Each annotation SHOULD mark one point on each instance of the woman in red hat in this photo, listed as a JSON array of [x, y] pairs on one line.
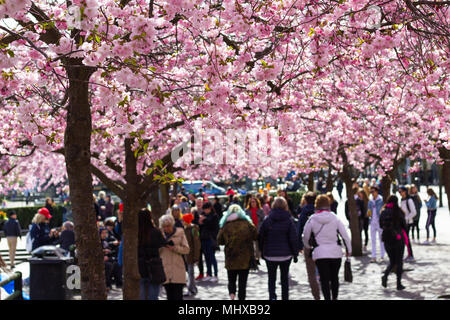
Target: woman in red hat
[[40, 230]]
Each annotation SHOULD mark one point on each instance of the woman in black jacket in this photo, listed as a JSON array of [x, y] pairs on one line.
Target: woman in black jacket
[[150, 266], [392, 221], [279, 245]]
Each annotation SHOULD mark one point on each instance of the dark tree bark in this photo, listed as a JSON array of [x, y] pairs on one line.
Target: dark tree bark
[[77, 145], [347, 177], [445, 156], [311, 181], [386, 183], [354, 219], [330, 181], [131, 205]]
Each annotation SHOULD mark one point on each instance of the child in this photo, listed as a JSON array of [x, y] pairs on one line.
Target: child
[[193, 238]]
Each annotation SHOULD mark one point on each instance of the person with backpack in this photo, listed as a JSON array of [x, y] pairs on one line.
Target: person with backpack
[[192, 233], [418, 204], [305, 212], [392, 221], [12, 232], [375, 205], [40, 234], [409, 209], [325, 228], [431, 204], [237, 233], [279, 245]]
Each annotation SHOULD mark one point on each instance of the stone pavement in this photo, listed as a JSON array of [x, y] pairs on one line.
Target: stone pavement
[[427, 278]]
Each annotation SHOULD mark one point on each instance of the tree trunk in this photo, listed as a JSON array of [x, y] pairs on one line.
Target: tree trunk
[[165, 196], [354, 219], [77, 145], [425, 173], [386, 183], [330, 181], [155, 203], [445, 156], [131, 205], [311, 181]]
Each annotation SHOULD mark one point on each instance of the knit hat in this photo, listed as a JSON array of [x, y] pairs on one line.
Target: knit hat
[[45, 212], [188, 217]]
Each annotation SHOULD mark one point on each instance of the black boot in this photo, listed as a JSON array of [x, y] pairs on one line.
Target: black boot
[[399, 285], [384, 281]]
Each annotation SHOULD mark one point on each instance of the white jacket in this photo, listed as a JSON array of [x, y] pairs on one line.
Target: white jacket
[[411, 213], [328, 247]]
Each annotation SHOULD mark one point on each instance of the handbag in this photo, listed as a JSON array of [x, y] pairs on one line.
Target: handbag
[[348, 271], [155, 270], [313, 242]]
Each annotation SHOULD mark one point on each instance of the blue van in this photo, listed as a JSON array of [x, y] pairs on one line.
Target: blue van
[[209, 187]]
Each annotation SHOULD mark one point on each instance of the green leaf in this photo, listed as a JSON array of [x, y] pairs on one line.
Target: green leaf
[[159, 163]]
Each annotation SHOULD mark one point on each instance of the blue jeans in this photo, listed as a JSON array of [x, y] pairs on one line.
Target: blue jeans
[[149, 291], [209, 252]]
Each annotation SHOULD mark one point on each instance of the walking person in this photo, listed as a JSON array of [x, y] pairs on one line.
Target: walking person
[[172, 257], [327, 253], [150, 240], [12, 232], [431, 204], [237, 233], [209, 227], [364, 216], [375, 205], [418, 203], [304, 213], [255, 212], [197, 211], [192, 233], [279, 244], [409, 209], [392, 221]]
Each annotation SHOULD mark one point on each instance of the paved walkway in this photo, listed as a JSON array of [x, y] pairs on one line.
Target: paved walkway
[[427, 278]]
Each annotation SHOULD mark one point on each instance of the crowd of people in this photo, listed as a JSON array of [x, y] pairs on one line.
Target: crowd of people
[[174, 250]]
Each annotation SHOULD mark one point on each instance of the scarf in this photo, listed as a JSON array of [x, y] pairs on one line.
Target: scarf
[[234, 212]]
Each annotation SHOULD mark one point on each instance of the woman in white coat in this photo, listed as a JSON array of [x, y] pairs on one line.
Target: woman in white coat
[[327, 252]]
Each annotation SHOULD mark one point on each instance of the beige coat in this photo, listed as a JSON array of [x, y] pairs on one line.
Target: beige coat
[[173, 260]]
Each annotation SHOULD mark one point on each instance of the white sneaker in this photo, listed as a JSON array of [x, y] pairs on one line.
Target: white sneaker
[[426, 242], [214, 279], [433, 241], [207, 278]]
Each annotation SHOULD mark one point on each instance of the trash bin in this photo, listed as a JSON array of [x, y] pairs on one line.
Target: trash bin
[[48, 276]]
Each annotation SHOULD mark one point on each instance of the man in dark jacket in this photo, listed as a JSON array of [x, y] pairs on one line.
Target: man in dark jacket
[[278, 242], [305, 213], [12, 232], [209, 228]]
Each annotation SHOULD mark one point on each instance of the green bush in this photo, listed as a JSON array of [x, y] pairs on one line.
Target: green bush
[[26, 214]]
